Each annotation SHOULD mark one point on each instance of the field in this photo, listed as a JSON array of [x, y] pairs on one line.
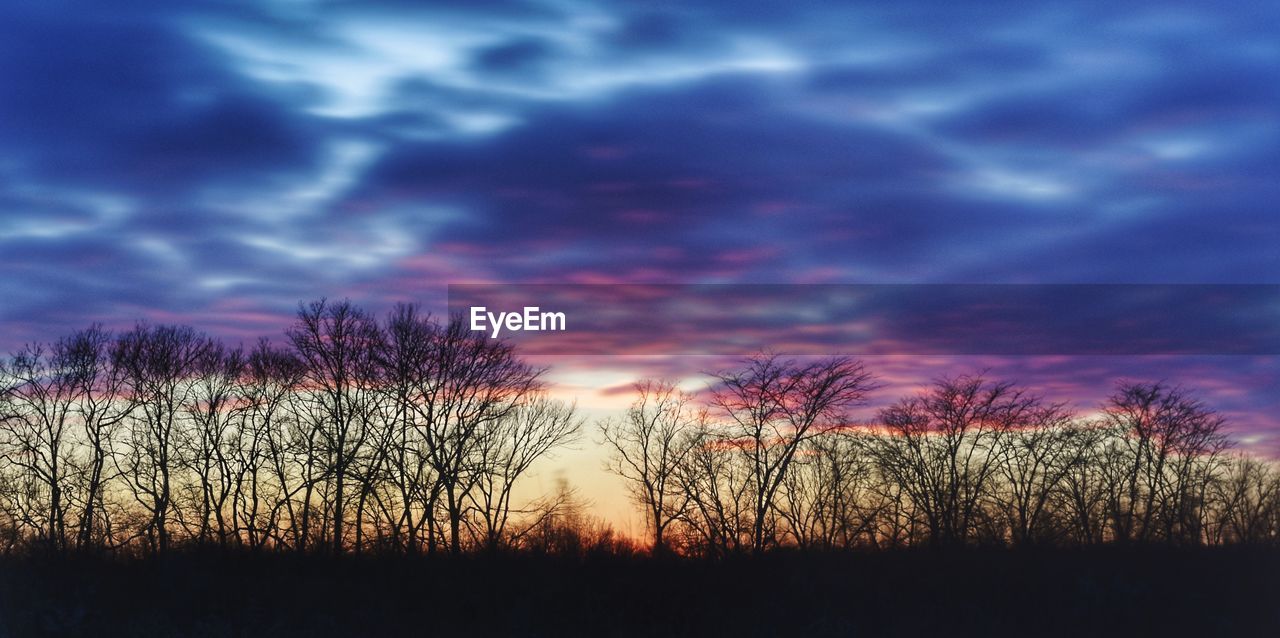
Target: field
[[1098, 592]]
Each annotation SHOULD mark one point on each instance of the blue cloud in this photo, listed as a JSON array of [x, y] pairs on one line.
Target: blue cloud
[[199, 159]]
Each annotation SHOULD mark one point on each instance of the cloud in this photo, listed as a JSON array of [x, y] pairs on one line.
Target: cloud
[[221, 161]]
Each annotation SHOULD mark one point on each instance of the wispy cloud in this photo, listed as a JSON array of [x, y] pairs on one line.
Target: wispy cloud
[[223, 160]]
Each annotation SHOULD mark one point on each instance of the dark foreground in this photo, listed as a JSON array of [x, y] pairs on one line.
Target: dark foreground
[[1098, 592]]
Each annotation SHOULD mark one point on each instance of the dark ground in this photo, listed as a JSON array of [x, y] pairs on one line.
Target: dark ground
[[1095, 592]]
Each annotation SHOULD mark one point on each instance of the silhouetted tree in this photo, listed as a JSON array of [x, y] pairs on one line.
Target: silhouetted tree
[[647, 447], [771, 407], [1248, 499], [161, 362], [359, 435], [1167, 452], [1033, 460], [468, 384], [408, 347], [1086, 485], [210, 444], [826, 498], [943, 448], [508, 449], [717, 489], [95, 361], [339, 344], [265, 454], [38, 392]]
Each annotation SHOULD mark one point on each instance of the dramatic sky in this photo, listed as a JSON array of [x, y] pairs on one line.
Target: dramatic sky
[[216, 163]]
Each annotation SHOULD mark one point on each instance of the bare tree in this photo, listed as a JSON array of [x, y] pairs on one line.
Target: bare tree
[[161, 362], [467, 384], [1170, 443], [95, 363], [1248, 496], [942, 448], [208, 446], [1083, 495], [771, 407], [407, 349], [647, 447], [1035, 457], [263, 460], [509, 448], [716, 486], [339, 345], [826, 498], [37, 412]]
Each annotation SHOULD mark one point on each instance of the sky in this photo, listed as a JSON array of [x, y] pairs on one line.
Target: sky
[[217, 163]]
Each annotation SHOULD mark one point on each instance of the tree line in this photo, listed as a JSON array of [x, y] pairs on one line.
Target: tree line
[[769, 457], [408, 433]]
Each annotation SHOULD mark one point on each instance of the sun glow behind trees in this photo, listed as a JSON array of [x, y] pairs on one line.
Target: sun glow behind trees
[[968, 460], [359, 435], [409, 434]]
